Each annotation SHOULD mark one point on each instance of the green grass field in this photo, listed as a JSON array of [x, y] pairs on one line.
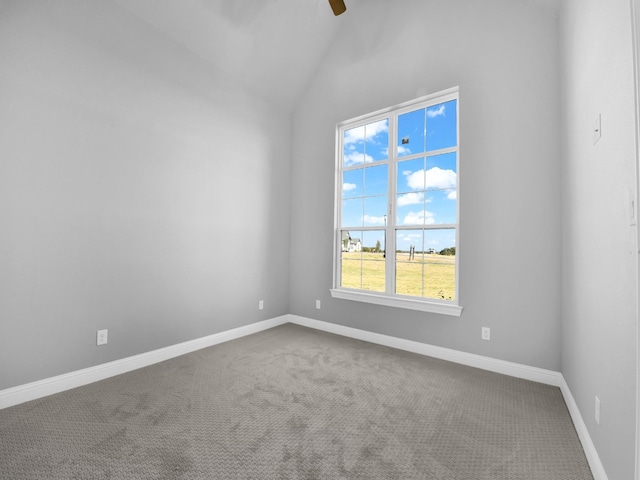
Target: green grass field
[[366, 271]]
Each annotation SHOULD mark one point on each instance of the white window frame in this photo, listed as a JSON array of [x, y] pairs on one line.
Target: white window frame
[[389, 298]]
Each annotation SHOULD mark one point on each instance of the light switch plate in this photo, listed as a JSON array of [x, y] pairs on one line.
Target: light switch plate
[[597, 129]]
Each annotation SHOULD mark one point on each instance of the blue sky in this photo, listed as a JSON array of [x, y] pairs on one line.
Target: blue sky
[[426, 186]]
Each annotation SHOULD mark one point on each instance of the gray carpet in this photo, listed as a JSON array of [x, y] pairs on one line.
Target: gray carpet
[[295, 403]]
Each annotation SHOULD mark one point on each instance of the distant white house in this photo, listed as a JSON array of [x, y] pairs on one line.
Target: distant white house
[[355, 245], [350, 244]]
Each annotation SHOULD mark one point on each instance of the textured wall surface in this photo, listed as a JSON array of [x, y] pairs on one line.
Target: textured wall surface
[[141, 191], [600, 289], [504, 57]]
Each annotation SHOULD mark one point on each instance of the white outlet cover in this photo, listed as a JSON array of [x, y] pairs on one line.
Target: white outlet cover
[[102, 337], [318, 304], [486, 333]]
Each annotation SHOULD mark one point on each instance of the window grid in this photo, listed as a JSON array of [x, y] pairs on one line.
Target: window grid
[[393, 226]]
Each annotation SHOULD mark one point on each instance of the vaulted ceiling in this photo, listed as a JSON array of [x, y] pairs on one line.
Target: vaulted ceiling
[[272, 46]]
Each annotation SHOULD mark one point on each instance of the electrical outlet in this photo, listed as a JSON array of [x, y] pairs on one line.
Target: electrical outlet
[[597, 415], [261, 305], [102, 337], [486, 333], [318, 304]]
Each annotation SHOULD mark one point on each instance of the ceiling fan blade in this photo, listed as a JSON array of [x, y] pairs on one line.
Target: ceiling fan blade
[[337, 6]]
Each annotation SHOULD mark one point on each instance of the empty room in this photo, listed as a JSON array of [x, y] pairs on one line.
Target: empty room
[[308, 239]]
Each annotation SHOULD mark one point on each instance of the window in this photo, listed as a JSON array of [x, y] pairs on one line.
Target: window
[[397, 206]]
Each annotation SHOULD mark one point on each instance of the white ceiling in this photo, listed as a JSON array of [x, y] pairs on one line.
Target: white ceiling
[[272, 46]]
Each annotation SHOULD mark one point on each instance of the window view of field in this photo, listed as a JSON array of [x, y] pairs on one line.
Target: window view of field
[[428, 275], [403, 195]]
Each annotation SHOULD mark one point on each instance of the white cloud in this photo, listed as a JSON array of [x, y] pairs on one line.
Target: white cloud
[[402, 150], [347, 187], [412, 198], [355, 158], [354, 135], [435, 178], [412, 236], [371, 130], [415, 180], [436, 112], [368, 219], [453, 195], [422, 217]]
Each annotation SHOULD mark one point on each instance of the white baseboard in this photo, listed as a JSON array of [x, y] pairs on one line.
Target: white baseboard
[[597, 469], [548, 377], [67, 381], [526, 372], [49, 386]]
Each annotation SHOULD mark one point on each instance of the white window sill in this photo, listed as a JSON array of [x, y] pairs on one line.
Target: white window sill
[[399, 302]]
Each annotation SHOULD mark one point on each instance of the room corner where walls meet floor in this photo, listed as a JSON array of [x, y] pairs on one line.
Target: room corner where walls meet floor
[[35, 390]]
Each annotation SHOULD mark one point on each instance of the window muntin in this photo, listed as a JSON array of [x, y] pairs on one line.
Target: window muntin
[[403, 201]]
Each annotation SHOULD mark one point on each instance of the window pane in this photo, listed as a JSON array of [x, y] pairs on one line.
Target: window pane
[[363, 260], [441, 172], [411, 201], [414, 216], [440, 264], [445, 161], [440, 277], [425, 263], [405, 239], [377, 140], [352, 212], [442, 241], [409, 278], [442, 126], [376, 180], [351, 274], [411, 175], [373, 241], [353, 153], [411, 128], [442, 206], [373, 261], [352, 183], [351, 242], [441, 183], [373, 276], [350, 259], [375, 211], [438, 179], [367, 143], [409, 264]]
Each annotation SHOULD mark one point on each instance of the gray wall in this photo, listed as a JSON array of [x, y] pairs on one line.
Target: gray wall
[[504, 56], [600, 289], [141, 191], [144, 191]]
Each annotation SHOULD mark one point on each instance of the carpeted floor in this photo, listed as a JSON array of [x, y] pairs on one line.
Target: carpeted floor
[[295, 403]]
